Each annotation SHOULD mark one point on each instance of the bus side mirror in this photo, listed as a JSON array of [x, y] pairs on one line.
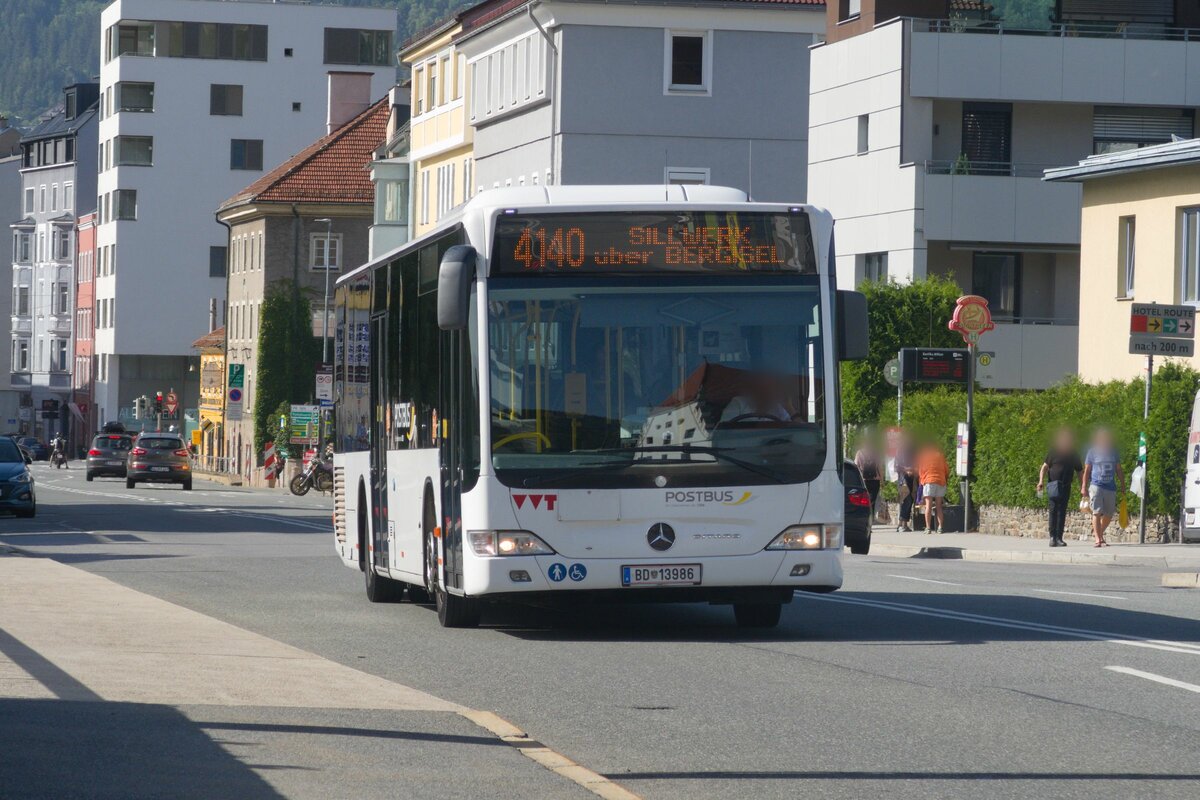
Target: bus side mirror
[[455, 276], [852, 325]]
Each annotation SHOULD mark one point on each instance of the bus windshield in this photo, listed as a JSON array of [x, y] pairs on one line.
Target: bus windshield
[[652, 382]]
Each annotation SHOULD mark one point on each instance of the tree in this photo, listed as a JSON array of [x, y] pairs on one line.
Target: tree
[[287, 356], [910, 315]]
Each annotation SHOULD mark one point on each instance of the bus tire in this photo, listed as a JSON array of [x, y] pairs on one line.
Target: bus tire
[[454, 611], [757, 615], [381, 589]]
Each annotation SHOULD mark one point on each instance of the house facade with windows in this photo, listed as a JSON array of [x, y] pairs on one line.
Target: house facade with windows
[[440, 139], [58, 172], [306, 221], [671, 92], [932, 122], [198, 99], [83, 373], [210, 449], [1139, 242]]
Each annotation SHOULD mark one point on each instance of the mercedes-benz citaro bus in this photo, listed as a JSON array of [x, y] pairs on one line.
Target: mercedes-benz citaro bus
[[607, 392]]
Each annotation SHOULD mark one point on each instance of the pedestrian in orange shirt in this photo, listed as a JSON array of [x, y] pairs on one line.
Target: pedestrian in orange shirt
[[932, 471]]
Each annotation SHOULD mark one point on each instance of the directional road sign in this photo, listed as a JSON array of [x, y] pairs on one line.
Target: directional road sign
[[172, 404], [1150, 345], [1176, 322]]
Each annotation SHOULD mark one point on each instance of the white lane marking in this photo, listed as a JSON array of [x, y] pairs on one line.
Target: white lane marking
[[1150, 676], [1004, 622], [1081, 594], [924, 580]]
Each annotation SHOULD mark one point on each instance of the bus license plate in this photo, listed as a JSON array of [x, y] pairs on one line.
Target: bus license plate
[[660, 575]]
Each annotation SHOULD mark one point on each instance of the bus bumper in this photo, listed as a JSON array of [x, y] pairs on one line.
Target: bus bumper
[[719, 577]]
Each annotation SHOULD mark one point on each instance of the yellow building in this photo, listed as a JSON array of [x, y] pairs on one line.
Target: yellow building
[[1139, 242], [210, 448], [440, 138]]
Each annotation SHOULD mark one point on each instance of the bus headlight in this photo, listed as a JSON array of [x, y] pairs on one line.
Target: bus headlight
[[808, 537], [507, 543]]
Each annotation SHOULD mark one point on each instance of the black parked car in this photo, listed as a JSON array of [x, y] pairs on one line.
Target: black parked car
[[858, 510]]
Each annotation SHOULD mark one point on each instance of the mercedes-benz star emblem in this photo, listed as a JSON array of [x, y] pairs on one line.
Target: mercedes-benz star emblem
[[661, 536]]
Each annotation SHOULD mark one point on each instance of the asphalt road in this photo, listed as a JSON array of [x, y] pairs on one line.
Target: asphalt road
[[920, 679]]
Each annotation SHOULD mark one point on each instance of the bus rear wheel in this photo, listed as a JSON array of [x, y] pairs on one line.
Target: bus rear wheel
[[757, 615], [382, 590]]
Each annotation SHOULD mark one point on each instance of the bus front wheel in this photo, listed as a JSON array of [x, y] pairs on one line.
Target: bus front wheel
[[757, 615], [453, 611]]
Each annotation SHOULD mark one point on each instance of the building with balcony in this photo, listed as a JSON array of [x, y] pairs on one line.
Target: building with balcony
[[391, 172], [931, 124], [674, 92], [302, 224], [58, 168], [1140, 242], [199, 99], [440, 140]]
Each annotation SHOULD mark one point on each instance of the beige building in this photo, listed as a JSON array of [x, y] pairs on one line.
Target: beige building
[[440, 140], [1139, 242], [305, 222]]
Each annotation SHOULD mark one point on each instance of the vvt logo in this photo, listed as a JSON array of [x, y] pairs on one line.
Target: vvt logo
[[536, 500]]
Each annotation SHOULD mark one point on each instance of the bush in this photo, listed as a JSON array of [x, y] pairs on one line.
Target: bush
[[912, 315], [1012, 431], [287, 357]]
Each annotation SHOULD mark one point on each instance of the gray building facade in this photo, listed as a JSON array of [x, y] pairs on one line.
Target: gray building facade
[[58, 176], [593, 93]]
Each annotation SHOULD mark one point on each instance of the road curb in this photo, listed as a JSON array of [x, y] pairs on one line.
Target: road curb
[[1057, 556], [1181, 580]]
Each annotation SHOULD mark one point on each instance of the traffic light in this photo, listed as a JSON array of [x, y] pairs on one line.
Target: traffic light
[[158, 402], [137, 408]]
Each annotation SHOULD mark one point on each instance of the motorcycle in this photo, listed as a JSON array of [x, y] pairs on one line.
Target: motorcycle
[[318, 473], [58, 458]]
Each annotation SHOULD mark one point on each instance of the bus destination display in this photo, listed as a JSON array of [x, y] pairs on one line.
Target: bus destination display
[[683, 241]]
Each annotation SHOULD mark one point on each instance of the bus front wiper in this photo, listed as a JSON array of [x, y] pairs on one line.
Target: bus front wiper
[[688, 449]]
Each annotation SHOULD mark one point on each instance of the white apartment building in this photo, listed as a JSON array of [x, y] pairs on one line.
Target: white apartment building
[[672, 92], [199, 98], [929, 136]]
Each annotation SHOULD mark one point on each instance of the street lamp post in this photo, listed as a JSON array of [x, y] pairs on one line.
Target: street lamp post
[[325, 311], [325, 324]]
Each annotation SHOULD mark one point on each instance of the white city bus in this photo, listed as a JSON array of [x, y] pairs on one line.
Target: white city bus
[[611, 392]]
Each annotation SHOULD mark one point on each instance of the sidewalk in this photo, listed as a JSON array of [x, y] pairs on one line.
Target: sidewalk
[[982, 547], [91, 671]]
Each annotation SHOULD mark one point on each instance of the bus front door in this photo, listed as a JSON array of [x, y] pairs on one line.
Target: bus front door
[[380, 435], [453, 410]]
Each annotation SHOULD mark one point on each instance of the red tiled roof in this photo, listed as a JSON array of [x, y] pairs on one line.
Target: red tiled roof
[[212, 339], [333, 169]]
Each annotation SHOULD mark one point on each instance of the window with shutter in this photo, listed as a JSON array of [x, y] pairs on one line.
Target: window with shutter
[[1126, 128], [987, 137]]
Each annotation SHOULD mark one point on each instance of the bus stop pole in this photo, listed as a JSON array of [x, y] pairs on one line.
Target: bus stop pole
[[1146, 463], [970, 436]]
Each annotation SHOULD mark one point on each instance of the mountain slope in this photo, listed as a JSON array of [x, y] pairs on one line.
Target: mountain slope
[[47, 44]]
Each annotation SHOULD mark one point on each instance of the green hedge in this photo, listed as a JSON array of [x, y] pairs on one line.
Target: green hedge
[[1012, 431]]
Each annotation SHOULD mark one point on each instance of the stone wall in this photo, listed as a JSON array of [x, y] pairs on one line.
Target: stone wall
[[1033, 523]]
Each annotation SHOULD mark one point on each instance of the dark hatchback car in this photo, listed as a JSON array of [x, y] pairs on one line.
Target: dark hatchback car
[[38, 450], [858, 510], [109, 455], [16, 483], [159, 458]]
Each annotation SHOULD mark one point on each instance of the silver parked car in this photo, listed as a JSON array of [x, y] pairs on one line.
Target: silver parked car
[[159, 458]]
